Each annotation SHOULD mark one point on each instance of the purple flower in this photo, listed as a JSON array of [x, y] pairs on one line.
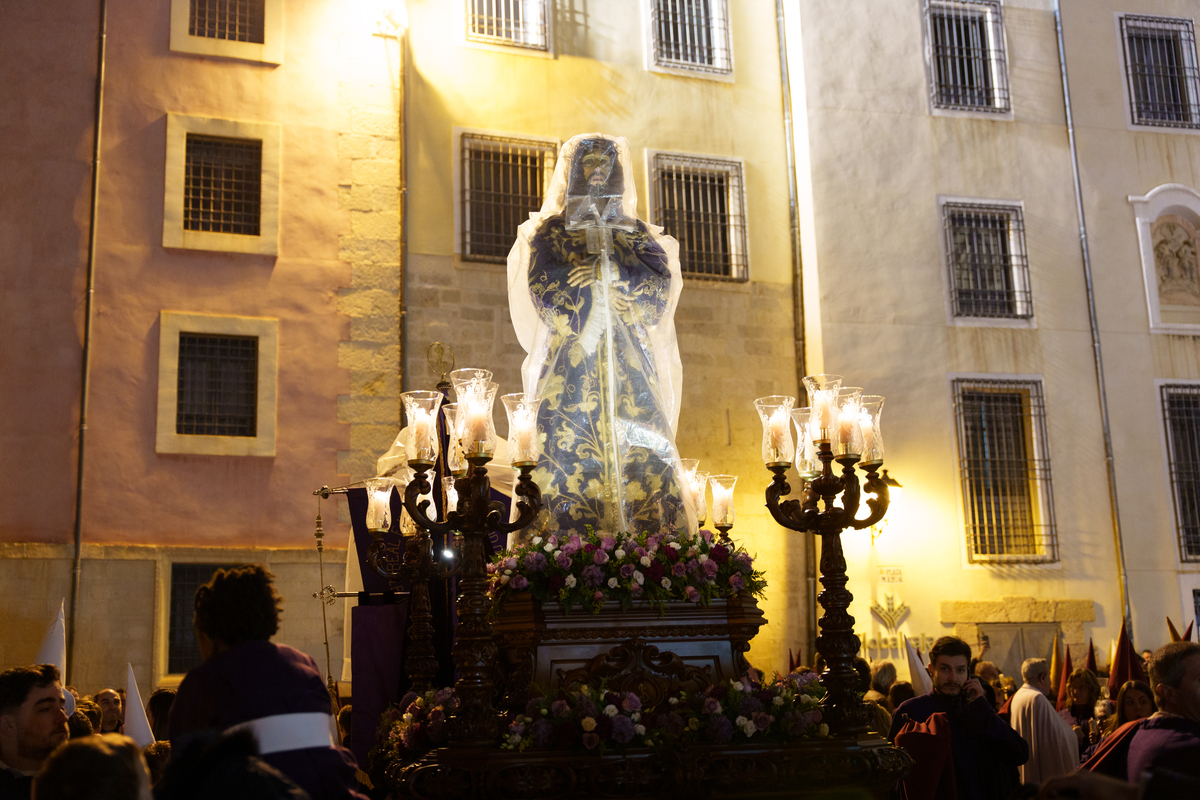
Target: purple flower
[[540, 732], [709, 568], [562, 560], [593, 575], [743, 561], [762, 720], [559, 708], [622, 729], [736, 581], [607, 542], [719, 730], [692, 594], [589, 548], [631, 702], [510, 562], [670, 724], [692, 566], [535, 562], [711, 706], [749, 705], [627, 571], [635, 588], [573, 545], [520, 582], [679, 569], [491, 568], [706, 535], [719, 553], [641, 552], [600, 557], [590, 740]]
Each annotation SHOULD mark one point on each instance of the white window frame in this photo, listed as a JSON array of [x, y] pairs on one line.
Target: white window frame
[[1001, 107], [723, 71], [1018, 243], [174, 234], [1052, 558], [269, 52], [266, 329], [499, 44], [1169, 198], [739, 235], [1131, 120], [458, 177]]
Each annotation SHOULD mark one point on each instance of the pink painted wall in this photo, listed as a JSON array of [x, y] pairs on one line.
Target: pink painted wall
[[131, 493]]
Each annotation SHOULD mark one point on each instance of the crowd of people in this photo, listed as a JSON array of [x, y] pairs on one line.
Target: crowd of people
[[254, 720]]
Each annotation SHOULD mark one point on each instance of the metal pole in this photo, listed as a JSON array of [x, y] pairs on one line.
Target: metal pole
[[404, 41], [86, 367], [1095, 326]]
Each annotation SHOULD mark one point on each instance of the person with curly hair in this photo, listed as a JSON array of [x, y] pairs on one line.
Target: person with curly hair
[[105, 766], [247, 682]]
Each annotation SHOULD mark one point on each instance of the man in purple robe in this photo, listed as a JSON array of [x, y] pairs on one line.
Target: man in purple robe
[[249, 683]]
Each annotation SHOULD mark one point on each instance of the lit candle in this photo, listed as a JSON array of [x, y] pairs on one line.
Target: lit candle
[[523, 442], [423, 428], [823, 410], [722, 504], [474, 433], [847, 421], [868, 430], [451, 497], [778, 430], [810, 449], [698, 483]]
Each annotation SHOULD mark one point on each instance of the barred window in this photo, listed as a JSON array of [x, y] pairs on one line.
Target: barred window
[[1004, 465], [700, 202], [218, 385], [518, 23], [1181, 415], [182, 651], [235, 20], [967, 68], [692, 35], [1160, 66], [989, 271], [503, 180], [222, 190]]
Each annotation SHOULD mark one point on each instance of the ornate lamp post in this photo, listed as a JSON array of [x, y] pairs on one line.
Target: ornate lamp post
[[839, 426]]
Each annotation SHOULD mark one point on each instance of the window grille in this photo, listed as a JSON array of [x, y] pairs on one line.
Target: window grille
[[182, 651], [989, 270], [222, 186], [218, 385], [1004, 465], [692, 35], [700, 202], [1181, 414], [518, 23], [503, 181], [235, 20], [967, 69], [1160, 66]]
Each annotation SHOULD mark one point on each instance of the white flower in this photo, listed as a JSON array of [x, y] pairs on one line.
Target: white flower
[[737, 687], [508, 572], [824, 729], [646, 561], [640, 730], [612, 583], [672, 700], [805, 699], [702, 558], [777, 701], [740, 721], [718, 709], [407, 717], [610, 710], [666, 583], [619, 554], [639, 577], [635, 716], [537, 540], [505, 578], [570, 582], [515, 738], [675, 545], [549, 547], [749, 728], [691, 552]]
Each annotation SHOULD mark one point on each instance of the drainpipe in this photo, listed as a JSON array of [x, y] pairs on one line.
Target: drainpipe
[[86, 369], [810, 554], [403, 249], [1097, 356]]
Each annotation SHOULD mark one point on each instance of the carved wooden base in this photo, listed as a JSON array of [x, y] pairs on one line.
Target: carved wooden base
[[686, 647], [799, 769]]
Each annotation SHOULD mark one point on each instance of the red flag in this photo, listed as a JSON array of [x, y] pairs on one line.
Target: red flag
[[1126, 666], [1063, 680], [1091, 657]]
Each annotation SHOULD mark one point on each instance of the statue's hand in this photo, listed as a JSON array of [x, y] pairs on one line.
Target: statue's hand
[[581, 275], [620, 300]]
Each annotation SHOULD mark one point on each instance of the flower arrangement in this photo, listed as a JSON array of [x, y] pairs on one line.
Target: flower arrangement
[[588, 569], [781, 709], [413, 726]]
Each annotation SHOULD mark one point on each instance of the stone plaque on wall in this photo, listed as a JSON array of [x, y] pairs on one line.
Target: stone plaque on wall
[[1176, 269]]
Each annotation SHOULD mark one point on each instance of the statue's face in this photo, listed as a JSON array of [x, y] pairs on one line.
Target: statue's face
[[597, 167]]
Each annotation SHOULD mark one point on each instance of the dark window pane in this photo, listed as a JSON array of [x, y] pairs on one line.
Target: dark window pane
[[222, 185], [218, 385], [1160, 55], [182, 651], [1182, 408], [695, 210], [504, 182], [235, 20]]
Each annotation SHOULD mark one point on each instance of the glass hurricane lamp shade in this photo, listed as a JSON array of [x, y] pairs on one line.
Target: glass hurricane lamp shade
[[699, 482], [848, 439], [379, 504], [778, 448], [451, 494], [722, 491], [524, 445], [823, 400], [455, 463], [421, 408], [476, 397], [807, 462], [872, 437]]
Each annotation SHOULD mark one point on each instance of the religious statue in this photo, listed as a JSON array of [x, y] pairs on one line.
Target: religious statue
[[592, 293]]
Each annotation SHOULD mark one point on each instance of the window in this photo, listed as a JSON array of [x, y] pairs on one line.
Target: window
[[221, 189], [518, 23], [1161, 70], [1004, 465], [250, 30], [989, 271], [691, 35], [700, 202], [503, 180], [1181, 416], [216, 384], [182, 651], [967, 70]]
